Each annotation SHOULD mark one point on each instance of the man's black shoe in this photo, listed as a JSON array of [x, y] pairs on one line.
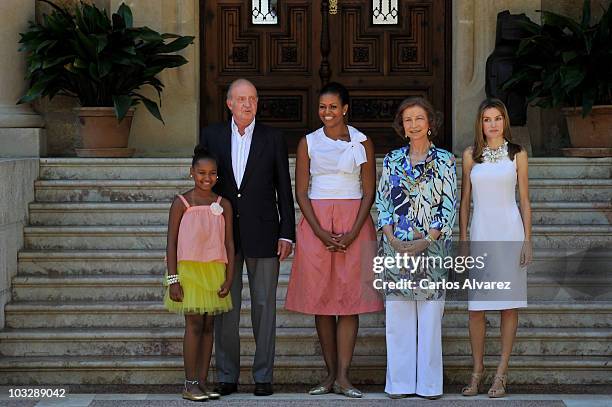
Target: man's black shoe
[[226, 388], [263, 389]]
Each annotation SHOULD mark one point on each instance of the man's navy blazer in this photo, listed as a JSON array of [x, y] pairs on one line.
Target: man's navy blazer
[[263, 204]]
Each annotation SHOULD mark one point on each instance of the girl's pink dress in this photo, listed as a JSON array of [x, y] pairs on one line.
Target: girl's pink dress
[[201, 261]]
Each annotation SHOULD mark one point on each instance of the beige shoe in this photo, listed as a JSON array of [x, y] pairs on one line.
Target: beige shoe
[[320, 390], [194, 394], [475, 385], [197, 396], [212, 395], [498, 388], [350, 392]]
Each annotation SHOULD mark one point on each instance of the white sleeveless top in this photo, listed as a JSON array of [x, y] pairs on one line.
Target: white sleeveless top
[[335, 165], [496, 216]]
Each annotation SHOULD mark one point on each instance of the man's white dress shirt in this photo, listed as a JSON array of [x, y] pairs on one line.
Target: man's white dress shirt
[[241, 145]]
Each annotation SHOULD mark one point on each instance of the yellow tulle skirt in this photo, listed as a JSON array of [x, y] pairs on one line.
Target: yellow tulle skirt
[[200, 283]]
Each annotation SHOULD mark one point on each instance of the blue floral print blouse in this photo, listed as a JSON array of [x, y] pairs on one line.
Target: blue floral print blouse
[[418, 198], [413, 199]]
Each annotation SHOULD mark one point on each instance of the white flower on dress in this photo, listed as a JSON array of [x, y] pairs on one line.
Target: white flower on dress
[[216, 209]]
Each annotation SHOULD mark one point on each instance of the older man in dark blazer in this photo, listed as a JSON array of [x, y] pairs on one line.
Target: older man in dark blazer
[[254, 175]]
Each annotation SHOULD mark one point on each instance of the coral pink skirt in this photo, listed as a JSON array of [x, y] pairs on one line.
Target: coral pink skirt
[[333, 283]]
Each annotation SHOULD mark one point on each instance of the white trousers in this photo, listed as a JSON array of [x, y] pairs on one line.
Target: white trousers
[[414, 347]]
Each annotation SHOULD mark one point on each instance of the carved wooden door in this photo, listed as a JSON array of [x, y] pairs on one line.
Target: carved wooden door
[[306, 46]]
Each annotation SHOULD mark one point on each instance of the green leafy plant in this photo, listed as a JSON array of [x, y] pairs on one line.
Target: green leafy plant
[[564, 63], [102, 61]]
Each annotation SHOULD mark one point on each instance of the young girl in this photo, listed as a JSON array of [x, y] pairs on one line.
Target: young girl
[[200, 255]]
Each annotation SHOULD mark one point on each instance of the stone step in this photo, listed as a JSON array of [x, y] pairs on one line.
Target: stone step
[[160, 190], [592, 287], [98, 213], [154, 237], [156, 213], [54, 262], [303, 370], [114, 168], [149, 190], [99, 262], [582, 213], [562, 167], [289, 342], [105, 288], [178, 168], [151, 314], [569, 288]]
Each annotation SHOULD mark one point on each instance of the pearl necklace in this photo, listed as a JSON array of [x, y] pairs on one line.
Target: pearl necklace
[[493, 155]]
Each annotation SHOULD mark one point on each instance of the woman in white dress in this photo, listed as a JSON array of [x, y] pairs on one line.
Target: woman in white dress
[[492, 167]]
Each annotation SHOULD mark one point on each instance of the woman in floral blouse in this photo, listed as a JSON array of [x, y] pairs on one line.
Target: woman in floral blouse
[[416, 201]]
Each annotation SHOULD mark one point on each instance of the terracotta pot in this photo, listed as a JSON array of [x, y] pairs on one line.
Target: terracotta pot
[[102, 135], [593, 131]]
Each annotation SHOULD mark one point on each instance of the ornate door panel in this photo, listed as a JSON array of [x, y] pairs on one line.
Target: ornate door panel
[[382, 64], [278, 58], [306, 46]]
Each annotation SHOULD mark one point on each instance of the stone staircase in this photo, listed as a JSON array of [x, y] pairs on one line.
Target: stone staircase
[[86, 300]]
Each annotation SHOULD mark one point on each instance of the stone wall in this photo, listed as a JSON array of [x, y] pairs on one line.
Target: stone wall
[[547, 126], [16, 191], [180, 100], [14, 16], [573, 8], [180, 108], [473, 41]]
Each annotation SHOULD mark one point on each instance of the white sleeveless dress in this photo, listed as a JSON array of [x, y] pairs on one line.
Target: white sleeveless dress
[[497, 229]]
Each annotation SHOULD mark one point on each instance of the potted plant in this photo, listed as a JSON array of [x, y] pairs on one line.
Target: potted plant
[[102, 61], [568, 64]]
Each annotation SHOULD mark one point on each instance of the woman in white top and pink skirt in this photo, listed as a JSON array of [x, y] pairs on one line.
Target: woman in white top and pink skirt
[[332, 276]]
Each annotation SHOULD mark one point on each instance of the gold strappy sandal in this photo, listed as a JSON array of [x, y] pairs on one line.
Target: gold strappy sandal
[[475, 385], [498, 388]]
